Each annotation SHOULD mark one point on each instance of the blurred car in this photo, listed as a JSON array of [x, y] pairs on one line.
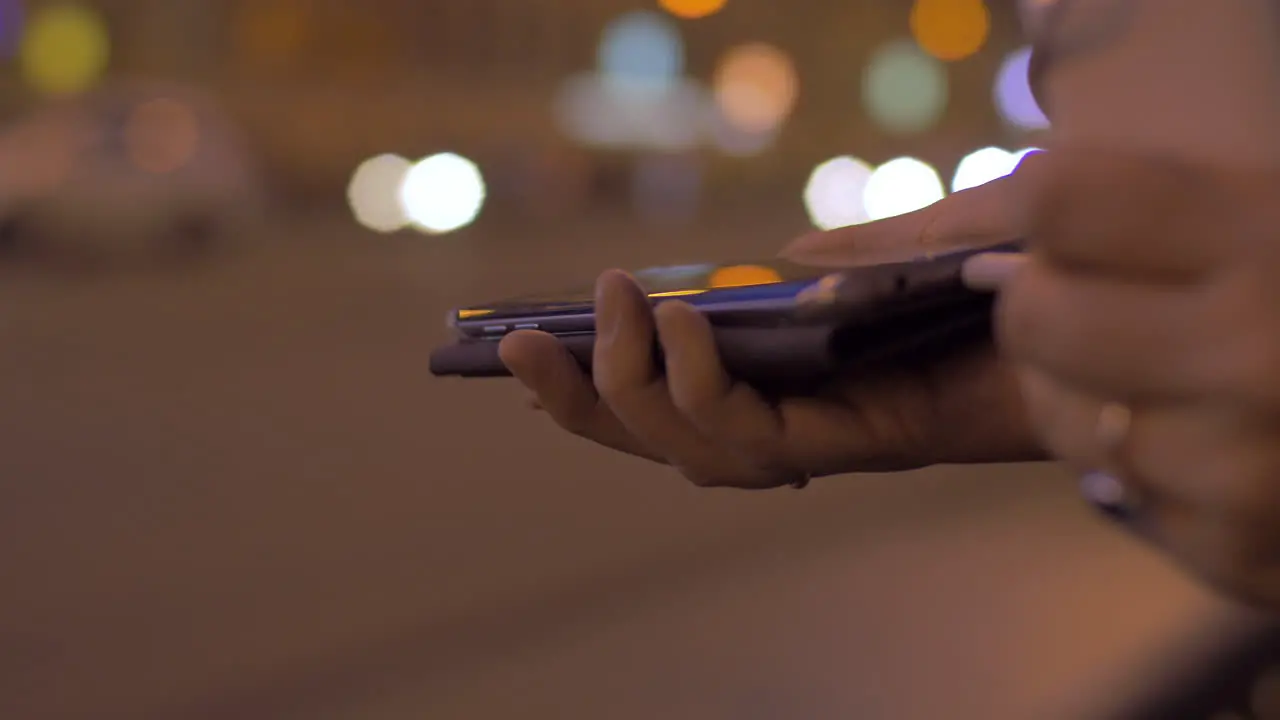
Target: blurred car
[[132, 170]]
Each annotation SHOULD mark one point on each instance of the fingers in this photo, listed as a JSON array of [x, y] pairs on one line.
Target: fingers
[[1065, 420], [1112, 339], [560, 388], [989, 272], [629, 381], [1130, 216], [729, 413], [974, 217]]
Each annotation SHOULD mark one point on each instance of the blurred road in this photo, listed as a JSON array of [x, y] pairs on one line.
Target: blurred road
[[236, 493]]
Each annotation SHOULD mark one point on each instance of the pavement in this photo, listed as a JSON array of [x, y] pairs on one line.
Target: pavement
[[235, 492]]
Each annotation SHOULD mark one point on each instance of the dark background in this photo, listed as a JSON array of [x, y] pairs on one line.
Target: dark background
[[231, 490]]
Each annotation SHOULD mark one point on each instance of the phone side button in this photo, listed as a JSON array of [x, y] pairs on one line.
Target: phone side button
[[527, 326], [494, 329]]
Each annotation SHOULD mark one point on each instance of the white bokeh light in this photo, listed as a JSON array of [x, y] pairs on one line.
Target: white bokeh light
[[1020, 154], [373, 193], [982, 166], [442, 193], [833, 196], [900, 186]]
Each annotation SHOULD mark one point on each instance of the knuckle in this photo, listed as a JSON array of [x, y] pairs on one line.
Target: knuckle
[[612, 387], [700, 406]]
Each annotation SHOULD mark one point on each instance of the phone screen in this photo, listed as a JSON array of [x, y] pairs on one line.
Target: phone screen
[[689, 281]]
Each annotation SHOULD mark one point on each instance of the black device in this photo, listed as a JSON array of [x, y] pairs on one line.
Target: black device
[[774, 322]]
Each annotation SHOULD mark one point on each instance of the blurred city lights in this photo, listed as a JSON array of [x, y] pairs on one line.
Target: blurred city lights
[[692, 9], [732, 140], [1020, 154], [982, 166], [65, 48], [834, 195], [442, 193], [1013, 97], [950, 29], [904, 89], [12, 18], [374, 193], [271, 29], [604, 114], [743, 275], [161, 135], [900, 186], [641, 49], [756, 87]]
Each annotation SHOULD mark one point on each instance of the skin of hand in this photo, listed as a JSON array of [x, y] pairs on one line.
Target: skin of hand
[[1156, 284], [718, 432]]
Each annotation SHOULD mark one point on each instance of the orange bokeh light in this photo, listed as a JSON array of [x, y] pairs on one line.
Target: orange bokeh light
[[950, 30], [692, 9], [756, 87], [742, 275]]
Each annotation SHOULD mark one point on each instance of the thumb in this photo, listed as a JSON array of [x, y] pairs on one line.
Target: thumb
[[974, 217]]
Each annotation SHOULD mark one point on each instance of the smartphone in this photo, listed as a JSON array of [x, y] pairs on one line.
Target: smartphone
[[759, 293], [774, 322]]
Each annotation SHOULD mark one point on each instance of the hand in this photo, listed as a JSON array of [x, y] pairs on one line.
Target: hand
[[1156, 286], [719, 432]]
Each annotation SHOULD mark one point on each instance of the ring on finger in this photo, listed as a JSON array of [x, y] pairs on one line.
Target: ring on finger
[[1108, 489]]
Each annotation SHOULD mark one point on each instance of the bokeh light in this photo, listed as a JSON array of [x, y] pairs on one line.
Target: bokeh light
[[743, 275], [982, 166], [950, 29], [692, 9], [1013, 97], [271, 30], [642, 49], [65, 49], [833, 197], [732, 140], [374, 193], [161, 136], [1020, 154], [904, 89], [442, 193], [12, 19], [602, 114], [900, 186], [756, 86]]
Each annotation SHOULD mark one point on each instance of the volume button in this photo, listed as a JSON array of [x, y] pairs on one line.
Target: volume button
[[527, 326]]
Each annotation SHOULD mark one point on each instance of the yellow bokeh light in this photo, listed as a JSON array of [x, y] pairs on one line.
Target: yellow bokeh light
[[743, 275], [65, 49], [950, 29], [756, 87], [692, 9]]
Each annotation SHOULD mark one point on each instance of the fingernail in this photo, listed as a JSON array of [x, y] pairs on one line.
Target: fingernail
[[991, 271], [608, 301]]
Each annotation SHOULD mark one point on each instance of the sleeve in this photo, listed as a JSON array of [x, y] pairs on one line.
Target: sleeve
[[1195, 78]]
